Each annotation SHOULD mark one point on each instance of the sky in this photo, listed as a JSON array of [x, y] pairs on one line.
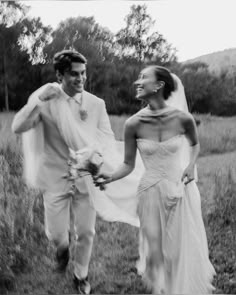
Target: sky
[[193, 27]]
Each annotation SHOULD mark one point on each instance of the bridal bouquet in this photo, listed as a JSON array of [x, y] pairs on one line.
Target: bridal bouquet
[[86, 161]]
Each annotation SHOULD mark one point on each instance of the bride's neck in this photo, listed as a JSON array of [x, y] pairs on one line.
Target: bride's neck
[[156, 104]]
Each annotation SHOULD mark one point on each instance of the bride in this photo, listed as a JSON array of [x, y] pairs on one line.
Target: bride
[[173, 246]]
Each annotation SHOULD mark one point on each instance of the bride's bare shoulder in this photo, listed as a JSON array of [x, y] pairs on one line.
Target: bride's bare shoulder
[[185, 116], [133, 121], [187, 120]]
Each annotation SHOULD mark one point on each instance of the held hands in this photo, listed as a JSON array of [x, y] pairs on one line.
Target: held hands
[[102, 179], [50, 92], [188, 174]]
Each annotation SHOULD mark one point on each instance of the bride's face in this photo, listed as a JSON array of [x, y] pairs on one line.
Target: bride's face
[[146, 85]]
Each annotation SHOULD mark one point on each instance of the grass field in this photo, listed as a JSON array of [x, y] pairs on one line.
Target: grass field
[[26, 257]]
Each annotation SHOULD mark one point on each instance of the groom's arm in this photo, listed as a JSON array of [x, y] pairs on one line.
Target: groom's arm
[[26, 118], [29, 115]]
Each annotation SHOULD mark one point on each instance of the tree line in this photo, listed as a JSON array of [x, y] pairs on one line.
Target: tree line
[[114, 60]]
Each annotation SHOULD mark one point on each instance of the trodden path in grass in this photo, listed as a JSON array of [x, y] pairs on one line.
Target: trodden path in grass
[[112, 267]]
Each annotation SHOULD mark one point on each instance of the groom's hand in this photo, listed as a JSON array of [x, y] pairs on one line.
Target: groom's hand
[[50, 92], [102, 179]]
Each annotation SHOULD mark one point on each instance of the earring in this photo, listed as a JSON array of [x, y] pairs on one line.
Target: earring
[[156, 90]]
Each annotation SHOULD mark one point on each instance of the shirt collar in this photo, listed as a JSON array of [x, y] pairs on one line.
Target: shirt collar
[[77, 97]]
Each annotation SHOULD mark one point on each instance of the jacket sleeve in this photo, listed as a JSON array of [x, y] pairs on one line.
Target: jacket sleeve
[[104, 124], [29, 115]]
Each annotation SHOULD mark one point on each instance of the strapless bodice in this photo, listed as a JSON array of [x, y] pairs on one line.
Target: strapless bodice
[[161, 160]]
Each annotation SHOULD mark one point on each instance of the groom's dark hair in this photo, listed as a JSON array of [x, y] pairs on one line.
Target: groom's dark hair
[[62, 60]]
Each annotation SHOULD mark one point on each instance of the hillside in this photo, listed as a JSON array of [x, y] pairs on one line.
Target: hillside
[[218, 61]]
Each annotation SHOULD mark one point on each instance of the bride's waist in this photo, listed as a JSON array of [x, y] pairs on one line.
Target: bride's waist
[[168, 172], [151, 177]]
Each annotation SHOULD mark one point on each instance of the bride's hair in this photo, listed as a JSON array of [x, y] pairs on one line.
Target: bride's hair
[[163, 74]]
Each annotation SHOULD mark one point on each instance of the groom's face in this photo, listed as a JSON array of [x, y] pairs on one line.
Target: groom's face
[[74, 79]]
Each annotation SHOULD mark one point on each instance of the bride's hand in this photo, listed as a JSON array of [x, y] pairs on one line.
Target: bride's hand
[[102, 179], [188, 174]]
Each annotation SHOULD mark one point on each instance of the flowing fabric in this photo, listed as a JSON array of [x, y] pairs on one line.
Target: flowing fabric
[[177, 100], [119, 201], [33, 146]]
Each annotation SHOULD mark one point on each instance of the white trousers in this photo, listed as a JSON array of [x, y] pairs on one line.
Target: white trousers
[[57, 226]]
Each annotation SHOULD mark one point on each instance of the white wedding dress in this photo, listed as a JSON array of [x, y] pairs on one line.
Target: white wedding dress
[[173, 245]]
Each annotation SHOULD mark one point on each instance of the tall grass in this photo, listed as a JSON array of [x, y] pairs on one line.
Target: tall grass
[[221, 229], [26, 256], [20, 228], [7, 138], [216, 134]]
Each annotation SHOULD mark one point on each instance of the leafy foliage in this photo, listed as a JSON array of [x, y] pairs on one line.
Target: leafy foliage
[[114, 61], [136, 41], [207, 92], [20, 39]]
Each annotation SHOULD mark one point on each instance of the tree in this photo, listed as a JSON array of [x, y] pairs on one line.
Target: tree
[[202, 88], [137, 41], [19, 34], [10, 14], [35, 36], [84, 35]]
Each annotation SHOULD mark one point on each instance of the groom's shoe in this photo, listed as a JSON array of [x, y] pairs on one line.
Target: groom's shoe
[[82, 285], [62, 259]]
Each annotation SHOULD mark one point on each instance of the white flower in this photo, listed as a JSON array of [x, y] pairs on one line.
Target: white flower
[[83, 162], [86, 159]]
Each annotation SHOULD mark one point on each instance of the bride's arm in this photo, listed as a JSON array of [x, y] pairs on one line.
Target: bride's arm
[[129, 155], [191, 134]]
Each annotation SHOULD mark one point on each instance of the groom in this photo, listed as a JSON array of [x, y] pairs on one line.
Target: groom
[[70, 68]]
